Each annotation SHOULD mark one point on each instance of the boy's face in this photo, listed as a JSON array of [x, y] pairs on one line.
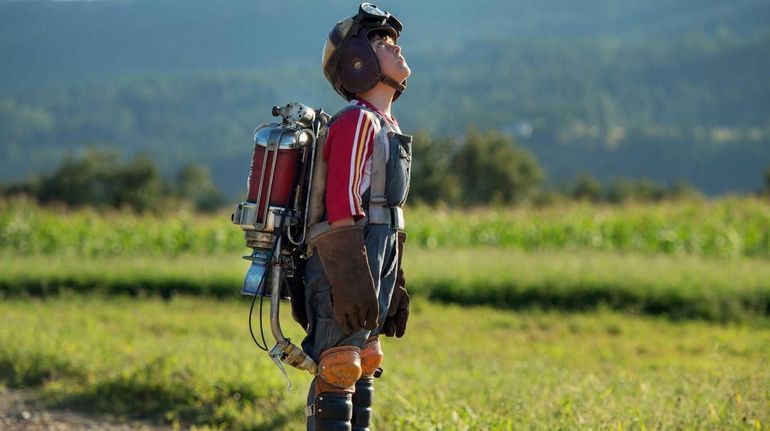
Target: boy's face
[[392, 63]]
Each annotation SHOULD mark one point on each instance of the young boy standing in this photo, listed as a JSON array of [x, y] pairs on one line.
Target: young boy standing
[[354, 285]]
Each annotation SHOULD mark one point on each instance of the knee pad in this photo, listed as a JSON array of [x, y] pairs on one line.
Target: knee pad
[[340, 367], [371, 357]]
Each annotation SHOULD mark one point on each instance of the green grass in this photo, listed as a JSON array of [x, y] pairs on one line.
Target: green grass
[[191, 361], [674, 286], [727, 228], [134, 275]]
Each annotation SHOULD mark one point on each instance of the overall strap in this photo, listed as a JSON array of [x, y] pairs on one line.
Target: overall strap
[[378, 212], [377, 198]]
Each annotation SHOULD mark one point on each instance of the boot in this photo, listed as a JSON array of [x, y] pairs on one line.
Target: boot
[[332, 411], [362, 404]]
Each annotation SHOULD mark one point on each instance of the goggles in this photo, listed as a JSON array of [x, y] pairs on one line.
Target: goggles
[[370, 16]]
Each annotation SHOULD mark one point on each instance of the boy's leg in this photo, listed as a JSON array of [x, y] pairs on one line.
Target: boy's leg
[[325, 334], [332, 390], [371, 358], [371, 354], [329, 402]]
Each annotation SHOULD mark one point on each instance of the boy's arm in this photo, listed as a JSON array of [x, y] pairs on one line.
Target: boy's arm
[[342, 250], [347, 148]]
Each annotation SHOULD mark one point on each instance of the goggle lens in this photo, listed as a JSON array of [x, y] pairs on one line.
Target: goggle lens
[[373, 10], [373, 16]]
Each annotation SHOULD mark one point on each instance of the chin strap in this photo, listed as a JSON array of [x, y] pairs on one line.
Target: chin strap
[[387, 80]]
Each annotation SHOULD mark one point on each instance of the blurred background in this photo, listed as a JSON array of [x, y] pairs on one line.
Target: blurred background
[[666, 91], [591, 183]]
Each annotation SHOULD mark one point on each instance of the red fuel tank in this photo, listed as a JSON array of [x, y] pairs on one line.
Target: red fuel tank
[[274, 167]]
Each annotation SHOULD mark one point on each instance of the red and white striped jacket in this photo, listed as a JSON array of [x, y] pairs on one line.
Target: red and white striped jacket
[[348, 154]]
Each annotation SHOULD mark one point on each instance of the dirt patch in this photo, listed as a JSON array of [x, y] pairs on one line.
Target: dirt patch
[[20, 411]]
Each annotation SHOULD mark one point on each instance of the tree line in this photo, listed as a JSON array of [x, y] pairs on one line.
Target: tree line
[[484, 168], [481, 168], [102, 179]]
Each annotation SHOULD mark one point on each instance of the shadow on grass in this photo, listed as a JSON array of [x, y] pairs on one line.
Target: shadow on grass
[[137, 286], [158, 393], [714, 305], [585, 297], [27, 370]]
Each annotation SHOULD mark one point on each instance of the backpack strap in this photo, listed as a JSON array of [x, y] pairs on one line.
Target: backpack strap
[[345, 110]]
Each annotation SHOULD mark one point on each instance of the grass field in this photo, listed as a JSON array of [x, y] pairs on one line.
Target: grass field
[[571, 317], [675, 286], [727, 228], [191, 361]]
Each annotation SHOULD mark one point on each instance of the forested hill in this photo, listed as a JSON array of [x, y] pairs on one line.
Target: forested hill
[[666, 89], [53, 40]]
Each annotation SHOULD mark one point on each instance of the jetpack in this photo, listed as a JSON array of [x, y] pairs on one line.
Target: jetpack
[[276, 216]]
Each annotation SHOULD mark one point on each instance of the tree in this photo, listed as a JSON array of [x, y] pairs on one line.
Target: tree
[[587, 188], [432, 178], [767, 181], [100, 179], [139, 185], [194, 183], [641, 190], [85, 181], [682, 190], [493, 169]]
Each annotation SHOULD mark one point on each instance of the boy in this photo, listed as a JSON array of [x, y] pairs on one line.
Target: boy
[[354, 285]]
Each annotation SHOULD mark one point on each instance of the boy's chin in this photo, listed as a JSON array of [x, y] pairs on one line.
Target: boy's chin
[[405, 72]]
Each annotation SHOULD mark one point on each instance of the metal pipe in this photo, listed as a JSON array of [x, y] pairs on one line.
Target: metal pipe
[[284, 350], [275, 293], [312, 150]]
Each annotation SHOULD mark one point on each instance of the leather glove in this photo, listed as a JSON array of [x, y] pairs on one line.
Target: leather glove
[[398, 311], [343, 256]]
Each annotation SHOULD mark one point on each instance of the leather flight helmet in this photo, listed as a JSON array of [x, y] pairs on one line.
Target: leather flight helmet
[[349, 61]]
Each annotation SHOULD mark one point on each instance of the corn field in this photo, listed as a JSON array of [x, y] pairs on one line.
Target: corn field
[[727, 228]]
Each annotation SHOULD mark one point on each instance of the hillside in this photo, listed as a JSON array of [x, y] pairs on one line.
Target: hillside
[[72, 40], [670, 90]]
